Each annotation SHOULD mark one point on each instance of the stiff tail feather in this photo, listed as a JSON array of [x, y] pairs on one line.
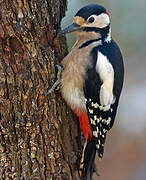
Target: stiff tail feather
[[88, 165]]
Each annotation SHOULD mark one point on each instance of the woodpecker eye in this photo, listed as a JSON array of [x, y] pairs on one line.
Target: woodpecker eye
[[91, 19]]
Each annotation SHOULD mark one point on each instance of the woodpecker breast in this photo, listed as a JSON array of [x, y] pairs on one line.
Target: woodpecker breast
[[73, 76]]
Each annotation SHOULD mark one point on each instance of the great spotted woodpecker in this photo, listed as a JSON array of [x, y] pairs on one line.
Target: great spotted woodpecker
[[92, 79]]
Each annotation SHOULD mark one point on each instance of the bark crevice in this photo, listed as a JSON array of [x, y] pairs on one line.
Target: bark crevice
[[37, 133]]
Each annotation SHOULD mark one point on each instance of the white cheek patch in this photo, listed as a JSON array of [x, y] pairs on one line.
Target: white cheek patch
[[105, 18], [106, 73], [101, 20]]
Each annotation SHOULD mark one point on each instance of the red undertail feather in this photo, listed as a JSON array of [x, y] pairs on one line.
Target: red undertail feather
[[84, 123]]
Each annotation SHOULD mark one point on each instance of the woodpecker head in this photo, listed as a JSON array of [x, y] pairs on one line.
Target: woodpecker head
[[92, 18]]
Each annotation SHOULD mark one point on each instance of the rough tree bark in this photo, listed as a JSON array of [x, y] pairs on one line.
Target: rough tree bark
[[37, 133]]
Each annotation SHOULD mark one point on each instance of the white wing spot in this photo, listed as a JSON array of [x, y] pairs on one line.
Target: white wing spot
[[105, 108], [90, 111], [92, 121], [95, 105], [104, 130], [104, 120], [95, 117], [98, 146], [95, 133], [108, 121]]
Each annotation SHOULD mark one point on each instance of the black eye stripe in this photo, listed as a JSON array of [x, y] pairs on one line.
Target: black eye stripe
[[91, 19]]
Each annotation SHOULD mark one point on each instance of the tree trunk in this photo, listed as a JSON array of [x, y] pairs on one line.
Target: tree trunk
[[37, 133]]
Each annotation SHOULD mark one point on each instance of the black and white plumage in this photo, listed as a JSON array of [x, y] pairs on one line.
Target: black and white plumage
[[92, 79], [102, 104]]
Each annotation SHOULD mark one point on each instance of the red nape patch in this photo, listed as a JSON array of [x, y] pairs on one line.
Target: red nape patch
[[84, 123], [106, 12]]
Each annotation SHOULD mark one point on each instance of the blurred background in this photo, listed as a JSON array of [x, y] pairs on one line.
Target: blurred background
[[125, 149]]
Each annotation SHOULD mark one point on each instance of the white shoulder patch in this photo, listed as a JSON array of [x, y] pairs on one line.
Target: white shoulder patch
[[106, 73]]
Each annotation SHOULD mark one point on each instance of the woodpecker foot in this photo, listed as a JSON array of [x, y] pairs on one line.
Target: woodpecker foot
[[55, 85]]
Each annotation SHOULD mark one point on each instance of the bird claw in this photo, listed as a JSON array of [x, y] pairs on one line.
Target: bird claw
[[59, 67], [55, 85]]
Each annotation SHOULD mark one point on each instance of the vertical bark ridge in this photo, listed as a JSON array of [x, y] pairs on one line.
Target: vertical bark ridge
[[37, 133]]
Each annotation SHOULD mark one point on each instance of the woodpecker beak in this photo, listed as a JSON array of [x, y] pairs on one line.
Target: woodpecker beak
[[73, 27]]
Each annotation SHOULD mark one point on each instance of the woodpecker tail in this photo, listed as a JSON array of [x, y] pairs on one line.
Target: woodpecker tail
[[88, 165]]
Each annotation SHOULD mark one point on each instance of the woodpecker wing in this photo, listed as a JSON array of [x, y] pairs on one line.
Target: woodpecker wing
[[103, 92]]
